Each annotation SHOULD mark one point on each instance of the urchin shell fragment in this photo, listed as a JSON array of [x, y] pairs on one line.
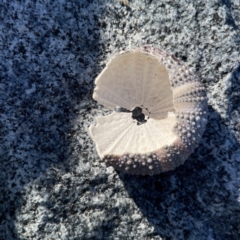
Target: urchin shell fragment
[[160, 110]]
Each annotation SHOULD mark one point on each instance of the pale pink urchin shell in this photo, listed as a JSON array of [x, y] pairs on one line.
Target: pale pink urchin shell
[[163, 110]]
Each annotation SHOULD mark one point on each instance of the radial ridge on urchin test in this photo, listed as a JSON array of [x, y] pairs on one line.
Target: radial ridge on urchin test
[[159, 111]]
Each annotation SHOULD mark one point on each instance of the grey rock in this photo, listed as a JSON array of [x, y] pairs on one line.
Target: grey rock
[[53, 185]]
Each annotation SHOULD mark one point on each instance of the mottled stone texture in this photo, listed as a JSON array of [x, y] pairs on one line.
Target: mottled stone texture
[[52, 184]]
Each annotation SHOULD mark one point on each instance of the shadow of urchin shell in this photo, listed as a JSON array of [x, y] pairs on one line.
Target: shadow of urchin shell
[[160, 111]]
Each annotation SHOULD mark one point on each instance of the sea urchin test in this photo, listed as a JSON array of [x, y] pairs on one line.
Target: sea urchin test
[[159, 111]]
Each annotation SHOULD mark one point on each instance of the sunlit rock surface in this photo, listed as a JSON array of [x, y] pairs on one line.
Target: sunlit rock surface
[[52, 184]]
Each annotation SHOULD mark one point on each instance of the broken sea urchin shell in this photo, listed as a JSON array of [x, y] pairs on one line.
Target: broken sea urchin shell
[[160, 110]]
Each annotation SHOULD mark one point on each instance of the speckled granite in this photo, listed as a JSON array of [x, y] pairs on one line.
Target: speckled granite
[[52, 183]]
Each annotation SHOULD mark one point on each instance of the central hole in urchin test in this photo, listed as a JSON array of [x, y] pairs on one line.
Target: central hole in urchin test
[[138, 115]]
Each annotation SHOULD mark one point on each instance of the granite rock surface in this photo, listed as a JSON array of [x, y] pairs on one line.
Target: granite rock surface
[[52, 184]]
